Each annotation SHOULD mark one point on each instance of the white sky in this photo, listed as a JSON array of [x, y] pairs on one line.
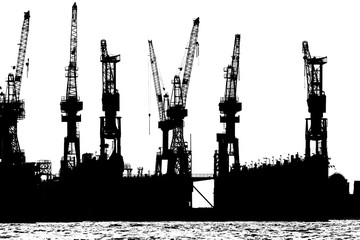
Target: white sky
[[271, 85]]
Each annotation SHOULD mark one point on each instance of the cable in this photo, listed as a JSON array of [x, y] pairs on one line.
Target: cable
[[149, 98]]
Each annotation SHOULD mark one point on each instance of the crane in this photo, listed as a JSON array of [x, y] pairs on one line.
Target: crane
[[12, 108], [165, 124], [70, 104], [316, 155], [316, 125], [229, 106], [110, 127], [180, 159]]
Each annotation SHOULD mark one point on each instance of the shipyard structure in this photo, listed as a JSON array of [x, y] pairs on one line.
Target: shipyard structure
[[294, 188], [98, 187]]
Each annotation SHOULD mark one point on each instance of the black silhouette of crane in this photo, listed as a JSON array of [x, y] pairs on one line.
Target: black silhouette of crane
[[178, 156], [70, 104], [316, 154], [110, 128], [12, 108], [316, 125], [229, 106], [165, 124], [180, 160]]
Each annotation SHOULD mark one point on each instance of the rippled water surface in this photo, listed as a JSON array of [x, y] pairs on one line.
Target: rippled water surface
[[348, 229]]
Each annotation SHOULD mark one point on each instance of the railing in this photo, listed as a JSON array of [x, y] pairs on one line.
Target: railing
[[197, 175], [224, 99], [202, 175], [134, 175]]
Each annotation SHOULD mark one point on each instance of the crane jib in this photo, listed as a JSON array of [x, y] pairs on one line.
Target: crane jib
[[21, 53], [193, 45], [155, 72]]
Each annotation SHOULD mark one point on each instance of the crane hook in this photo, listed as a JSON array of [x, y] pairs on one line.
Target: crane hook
[[27, 67]]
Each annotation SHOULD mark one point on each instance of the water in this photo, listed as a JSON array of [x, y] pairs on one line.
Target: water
[[349, 229]]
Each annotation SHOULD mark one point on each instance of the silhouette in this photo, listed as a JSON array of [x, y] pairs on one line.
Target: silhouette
[[12, 107], [70, 105], [102, 187], [165, 123], [171, 114]]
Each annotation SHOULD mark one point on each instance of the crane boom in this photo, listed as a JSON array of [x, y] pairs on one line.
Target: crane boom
[[313, 77], [155, 72], [232, 71], [109, 82], [193, 43], [71, 90], [21, 55], [307, 68]]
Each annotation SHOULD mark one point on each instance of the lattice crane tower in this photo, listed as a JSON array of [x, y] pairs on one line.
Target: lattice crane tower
[[70, 104]]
